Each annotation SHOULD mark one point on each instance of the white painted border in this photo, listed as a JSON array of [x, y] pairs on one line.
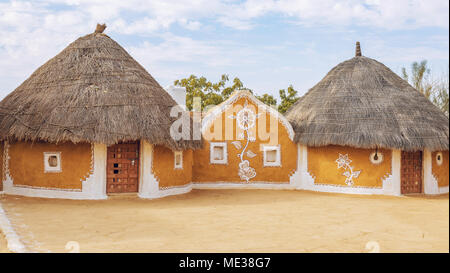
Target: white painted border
[[212, 145], [240, 185], [277, 162], [13, 240], [219, 109], [94, 187]]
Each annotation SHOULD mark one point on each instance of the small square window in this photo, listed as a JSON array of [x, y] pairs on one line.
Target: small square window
[[218, 153], [52, 162], [271, 156], [178, 159]]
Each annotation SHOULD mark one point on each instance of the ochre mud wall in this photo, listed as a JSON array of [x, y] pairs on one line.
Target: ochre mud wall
[[204, 171], [26, 165], [323, 167], [163, 167], [441, 173]]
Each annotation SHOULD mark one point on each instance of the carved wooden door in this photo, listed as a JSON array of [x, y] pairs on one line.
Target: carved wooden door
[[123, 168], [411, 172]]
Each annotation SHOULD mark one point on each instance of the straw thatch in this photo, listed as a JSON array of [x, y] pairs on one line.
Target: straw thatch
[[362, 103], [93, 91]]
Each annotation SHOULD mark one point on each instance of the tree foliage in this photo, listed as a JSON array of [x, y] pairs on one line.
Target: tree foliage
[[268, 99], [435, 89], [287, 99], [210, 93]]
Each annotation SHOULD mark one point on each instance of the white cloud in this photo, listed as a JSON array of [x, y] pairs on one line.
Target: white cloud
[[31, 32]]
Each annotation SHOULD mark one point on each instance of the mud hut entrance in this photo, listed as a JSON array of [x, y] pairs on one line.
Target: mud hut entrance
[[411, 172], [122, 168]]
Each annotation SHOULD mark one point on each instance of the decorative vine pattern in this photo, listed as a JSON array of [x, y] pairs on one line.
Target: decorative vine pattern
[[344, 162], [246, 120]]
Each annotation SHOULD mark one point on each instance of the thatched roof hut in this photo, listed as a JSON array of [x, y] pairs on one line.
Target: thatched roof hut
[[361, 103], [92, 91]]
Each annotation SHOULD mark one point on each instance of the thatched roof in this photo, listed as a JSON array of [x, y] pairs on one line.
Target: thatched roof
[[362, 103], [93, 91]]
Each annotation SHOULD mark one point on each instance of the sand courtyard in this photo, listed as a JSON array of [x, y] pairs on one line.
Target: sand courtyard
[[233, 221]]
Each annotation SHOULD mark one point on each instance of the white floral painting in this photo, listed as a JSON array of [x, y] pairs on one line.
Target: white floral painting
[[344, 162], [246, 120]]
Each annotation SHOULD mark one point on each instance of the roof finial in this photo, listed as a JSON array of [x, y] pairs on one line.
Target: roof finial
[[100, 28], [358, 49]]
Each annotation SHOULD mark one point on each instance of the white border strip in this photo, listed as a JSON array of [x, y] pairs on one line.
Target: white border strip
[[13, 240], [240, 185]]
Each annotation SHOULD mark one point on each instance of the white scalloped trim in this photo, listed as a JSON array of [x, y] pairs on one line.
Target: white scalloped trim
[[219, 109]]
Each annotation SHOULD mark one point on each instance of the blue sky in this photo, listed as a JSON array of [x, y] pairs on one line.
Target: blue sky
[[268, 44]]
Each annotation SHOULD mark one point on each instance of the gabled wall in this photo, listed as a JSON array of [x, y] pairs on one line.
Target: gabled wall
[[215, 126]]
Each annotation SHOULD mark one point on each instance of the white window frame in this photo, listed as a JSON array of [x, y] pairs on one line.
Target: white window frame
[[277, 162], [212, 145], [47, 167], [179, 166]]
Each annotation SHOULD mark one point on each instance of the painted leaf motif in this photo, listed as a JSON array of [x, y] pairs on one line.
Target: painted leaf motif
[[251, 154], [356, 174], [237, 144], [346, 173]]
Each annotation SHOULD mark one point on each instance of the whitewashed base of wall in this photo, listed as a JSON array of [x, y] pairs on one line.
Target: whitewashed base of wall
[[12, 239]]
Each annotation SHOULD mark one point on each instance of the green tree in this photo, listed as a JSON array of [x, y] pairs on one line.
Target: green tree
[[287, 99], [209, 92], [420, 77], [440, 93], [268, 99], [436, 90]]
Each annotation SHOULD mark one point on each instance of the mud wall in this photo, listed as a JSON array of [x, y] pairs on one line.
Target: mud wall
[[205, 171], [164, 167], [26, 165], [323, 166], [441, 172]]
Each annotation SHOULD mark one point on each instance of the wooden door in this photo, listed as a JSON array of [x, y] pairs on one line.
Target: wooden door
[[411, 172], [123, 168]]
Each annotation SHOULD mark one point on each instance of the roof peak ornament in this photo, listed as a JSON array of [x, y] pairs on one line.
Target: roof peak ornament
[[358, 50], [100, 28]]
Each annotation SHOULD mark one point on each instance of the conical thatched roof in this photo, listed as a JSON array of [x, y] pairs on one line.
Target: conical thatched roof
[[92, 91], [362, 103]]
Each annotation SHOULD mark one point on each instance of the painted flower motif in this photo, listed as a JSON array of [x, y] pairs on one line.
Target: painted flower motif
[[245, 171], [343, 161], [245, 119]]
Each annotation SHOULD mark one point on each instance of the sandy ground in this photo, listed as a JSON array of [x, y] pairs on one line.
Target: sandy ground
[[3, 245], [234, 221]]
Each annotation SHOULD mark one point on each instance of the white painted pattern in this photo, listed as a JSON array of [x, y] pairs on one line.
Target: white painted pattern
[[246, 120], [219, 109], [344, 161]]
